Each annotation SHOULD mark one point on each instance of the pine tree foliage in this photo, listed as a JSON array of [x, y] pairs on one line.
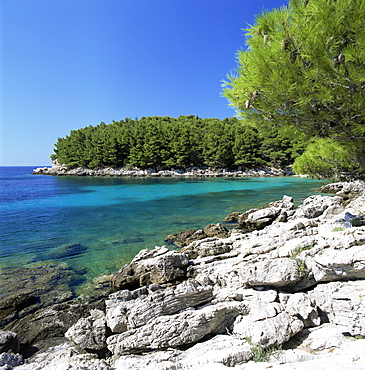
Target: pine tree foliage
[[304, 67], [165, 142], [325, 157]]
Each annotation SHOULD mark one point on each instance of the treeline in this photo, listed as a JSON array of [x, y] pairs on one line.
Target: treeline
[[165, 142]]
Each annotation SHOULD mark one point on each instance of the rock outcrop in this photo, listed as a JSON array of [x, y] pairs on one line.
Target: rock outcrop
[[289, 293], [61, 170], [152, 267], [184, 238]]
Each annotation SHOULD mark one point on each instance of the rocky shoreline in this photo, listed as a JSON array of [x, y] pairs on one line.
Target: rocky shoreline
[[286, 295], [61, 170]]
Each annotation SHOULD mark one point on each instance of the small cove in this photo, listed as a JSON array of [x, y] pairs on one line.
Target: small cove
[[95, 225]]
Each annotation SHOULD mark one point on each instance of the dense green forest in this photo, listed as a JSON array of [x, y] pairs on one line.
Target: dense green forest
[[165, 142], [299, 88]]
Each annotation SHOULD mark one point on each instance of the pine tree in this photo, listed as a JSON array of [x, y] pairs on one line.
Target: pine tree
[[304, 67]]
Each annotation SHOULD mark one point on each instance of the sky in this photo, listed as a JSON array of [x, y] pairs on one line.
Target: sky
[[68, 64]]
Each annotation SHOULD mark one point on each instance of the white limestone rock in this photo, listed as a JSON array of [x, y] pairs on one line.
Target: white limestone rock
[[124, 311], [157, 266], [267, 324], [315, 205], [157, 360], [343, 304], [223, 349], [277, 272], [332, 265], [300, 305], [176, 330], [63, 357], [90, 332], [324, 339], [271, 212]]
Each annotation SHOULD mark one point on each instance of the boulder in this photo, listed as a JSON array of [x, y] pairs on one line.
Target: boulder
[[156, 266], [342, 303], [267, 324], [353, 188], [186, 237], [258, 219], [333, 265], [286, 203], [271, 212], [323, 339], [198, 235], [175, 331], [183, 238], [156, 360], [277, 272], [227, 350], [301, 306], [315, 205], [65, 356], [125, 310], [216, 230], [207, 247], [233, 217], [90, 332]]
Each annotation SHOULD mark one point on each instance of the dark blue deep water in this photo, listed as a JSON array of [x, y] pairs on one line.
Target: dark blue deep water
[[95, 225]]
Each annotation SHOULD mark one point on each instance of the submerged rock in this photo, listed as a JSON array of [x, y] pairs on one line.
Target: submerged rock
[[47, 323], [185, 237], [25, 290]]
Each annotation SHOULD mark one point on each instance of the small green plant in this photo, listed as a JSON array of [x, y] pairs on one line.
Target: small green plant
[[301, 264], [261, 354], [338, 228], [297, 250], [359, 337]]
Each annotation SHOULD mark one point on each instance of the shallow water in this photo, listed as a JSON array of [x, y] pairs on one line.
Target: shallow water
[[95, 225]]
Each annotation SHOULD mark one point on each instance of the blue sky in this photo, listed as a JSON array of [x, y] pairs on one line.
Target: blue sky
[[67, 64]]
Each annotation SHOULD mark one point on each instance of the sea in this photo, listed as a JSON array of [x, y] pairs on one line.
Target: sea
[[94, 225]]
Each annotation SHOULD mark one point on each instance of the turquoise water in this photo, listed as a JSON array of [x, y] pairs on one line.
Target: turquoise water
[[95, 225]]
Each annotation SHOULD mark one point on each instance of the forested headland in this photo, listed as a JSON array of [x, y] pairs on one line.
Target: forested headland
[[166, 142], [299, 90]]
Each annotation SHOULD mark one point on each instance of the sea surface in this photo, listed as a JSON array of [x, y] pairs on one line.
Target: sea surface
[[95, 225]]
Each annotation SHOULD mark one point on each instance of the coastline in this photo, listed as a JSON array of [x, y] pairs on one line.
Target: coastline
[[60, 170], [294, 284]]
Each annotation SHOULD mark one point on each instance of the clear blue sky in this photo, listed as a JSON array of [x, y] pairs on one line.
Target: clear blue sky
[[67, 64]]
